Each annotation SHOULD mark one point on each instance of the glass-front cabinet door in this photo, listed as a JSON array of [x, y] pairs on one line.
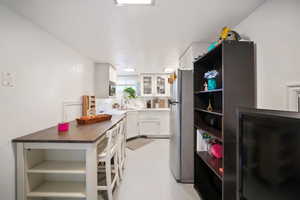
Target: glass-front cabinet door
[[162, 87], [147, 85]]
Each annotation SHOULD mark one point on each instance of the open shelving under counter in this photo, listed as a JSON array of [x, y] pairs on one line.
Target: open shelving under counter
[[59, 167], [59, 189]]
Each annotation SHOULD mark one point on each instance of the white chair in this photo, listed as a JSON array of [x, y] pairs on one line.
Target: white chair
[[122, 148], [108, 151]]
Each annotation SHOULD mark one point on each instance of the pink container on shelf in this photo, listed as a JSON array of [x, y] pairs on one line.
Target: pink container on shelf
[[217, 150], [63, 127]]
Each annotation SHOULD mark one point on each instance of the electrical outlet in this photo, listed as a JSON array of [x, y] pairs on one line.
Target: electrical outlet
[[7, 79]]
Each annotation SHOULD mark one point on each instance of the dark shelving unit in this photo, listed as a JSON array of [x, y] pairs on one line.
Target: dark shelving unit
[[209, 91], [213, 163], [216, 112], [212, 132], [235, 62]]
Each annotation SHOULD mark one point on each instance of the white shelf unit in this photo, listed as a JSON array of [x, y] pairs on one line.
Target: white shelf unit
[[53, 173]]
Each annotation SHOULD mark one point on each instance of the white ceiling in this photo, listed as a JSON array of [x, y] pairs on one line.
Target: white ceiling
[[148, 38]]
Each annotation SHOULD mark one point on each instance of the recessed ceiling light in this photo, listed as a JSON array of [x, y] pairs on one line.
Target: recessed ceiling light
[[169, 70], [134, 2], [129, 70]]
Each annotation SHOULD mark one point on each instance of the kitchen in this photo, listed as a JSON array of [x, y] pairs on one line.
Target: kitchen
[[140, 122], [139, 99], [146, 106]]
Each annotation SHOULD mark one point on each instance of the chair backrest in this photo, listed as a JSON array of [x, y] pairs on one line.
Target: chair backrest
[[112, 136], [122, 130]]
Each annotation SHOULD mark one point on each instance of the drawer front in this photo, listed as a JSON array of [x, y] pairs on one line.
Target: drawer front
[[150, 115], [151, 127], [158, 120]]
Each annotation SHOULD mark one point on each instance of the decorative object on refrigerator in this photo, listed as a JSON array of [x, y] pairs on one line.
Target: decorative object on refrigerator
[[172, 78]]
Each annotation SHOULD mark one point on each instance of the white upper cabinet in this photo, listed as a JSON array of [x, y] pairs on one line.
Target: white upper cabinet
[[105, 80], [155, 85], [162, 87], [147, 85], [112, 74]]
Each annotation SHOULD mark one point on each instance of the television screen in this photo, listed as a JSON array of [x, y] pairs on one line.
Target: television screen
[[269, 155]]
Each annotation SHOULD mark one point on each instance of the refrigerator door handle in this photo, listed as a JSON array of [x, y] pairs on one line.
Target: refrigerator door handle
[[173, 102]]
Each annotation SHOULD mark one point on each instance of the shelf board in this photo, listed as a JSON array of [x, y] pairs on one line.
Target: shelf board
[[211, 131], [211, 54], [209, 91], [210, 112], [213, 163], [59, 167], [59, 190]]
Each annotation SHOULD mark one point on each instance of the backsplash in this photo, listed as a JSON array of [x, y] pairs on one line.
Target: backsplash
[[105, 105]]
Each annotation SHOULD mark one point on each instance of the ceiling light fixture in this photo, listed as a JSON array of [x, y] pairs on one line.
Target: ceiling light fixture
[[134, 2], [169, 70], [129, 70]]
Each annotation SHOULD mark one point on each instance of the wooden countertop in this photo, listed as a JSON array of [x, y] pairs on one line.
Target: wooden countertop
[[76, 134]]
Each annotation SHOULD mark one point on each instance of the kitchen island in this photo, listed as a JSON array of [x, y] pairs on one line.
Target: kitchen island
[[60, 165]]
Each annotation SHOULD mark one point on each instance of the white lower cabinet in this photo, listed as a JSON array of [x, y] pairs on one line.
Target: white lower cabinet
[[149, 127], [148, 122], [154, 122], [132, 124]]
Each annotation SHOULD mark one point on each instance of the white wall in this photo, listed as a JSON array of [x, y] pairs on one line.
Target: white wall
[[194, 50], [275, 27], [47, 73]]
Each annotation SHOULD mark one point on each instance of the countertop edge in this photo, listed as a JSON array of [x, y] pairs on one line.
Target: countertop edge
[[20, 140]]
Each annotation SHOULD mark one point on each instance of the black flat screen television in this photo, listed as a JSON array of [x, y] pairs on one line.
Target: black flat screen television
[[268, 155]]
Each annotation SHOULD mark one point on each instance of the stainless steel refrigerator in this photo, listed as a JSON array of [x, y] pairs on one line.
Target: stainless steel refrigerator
[[181, 127]]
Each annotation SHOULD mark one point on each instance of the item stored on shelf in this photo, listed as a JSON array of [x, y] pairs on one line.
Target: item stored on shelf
[[209, 108], [228, 34], [205, 86], [217, 150], [211, 79], [212, 46], [212, 84]]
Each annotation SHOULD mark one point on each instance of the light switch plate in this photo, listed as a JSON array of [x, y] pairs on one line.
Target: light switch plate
[[7, 79]]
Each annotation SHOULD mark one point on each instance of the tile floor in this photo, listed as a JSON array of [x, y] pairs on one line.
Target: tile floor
[[147, 176]]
